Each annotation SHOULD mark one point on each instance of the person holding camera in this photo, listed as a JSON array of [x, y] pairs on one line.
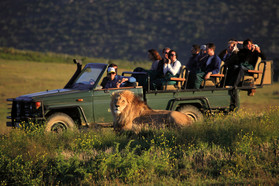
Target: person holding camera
[[171, 68], [165, 58], [247, 60]]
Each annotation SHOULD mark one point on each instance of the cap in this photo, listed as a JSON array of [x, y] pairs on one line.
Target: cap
[[111, 69], [203, 47]]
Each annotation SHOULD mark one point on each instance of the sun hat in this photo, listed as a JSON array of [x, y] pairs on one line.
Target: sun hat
[[111, 69]]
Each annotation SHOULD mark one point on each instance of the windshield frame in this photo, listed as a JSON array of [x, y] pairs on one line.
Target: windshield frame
[[82, 81]]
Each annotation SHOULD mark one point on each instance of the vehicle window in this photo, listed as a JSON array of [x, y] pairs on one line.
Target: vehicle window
[[87, 78]]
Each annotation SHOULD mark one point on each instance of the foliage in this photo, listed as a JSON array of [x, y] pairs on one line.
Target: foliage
[[118, 29], [239, 148]]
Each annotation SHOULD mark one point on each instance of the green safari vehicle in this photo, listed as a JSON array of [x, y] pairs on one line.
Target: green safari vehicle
[[83, 103]]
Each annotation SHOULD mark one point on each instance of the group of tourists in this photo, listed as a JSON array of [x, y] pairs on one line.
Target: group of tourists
[[202, 64]]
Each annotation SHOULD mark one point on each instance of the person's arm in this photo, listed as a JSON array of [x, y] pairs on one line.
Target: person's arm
[[120, 81], [216, 62]]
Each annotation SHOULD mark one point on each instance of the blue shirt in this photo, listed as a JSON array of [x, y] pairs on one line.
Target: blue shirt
[[118, 78], [112, 83]]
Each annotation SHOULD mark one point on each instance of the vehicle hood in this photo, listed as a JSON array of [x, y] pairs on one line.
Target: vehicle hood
[[47, 93]]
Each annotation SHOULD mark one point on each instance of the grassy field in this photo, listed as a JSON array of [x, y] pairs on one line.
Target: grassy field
[[241, 148]]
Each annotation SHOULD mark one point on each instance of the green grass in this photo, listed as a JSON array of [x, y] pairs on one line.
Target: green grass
[[236, 149]]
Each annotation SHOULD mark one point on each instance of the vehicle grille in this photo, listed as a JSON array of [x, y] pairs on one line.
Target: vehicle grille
[[21, 111]]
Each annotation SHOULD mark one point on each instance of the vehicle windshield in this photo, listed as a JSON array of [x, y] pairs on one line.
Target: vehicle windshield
[[88, 77]]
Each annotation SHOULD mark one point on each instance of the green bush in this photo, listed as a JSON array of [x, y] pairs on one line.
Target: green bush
[[236, 149]]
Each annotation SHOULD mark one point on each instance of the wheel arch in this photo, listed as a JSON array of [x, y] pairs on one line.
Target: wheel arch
[[195, 104]]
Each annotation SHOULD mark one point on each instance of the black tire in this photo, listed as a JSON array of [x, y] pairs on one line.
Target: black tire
[[193, 112], [60, 122]]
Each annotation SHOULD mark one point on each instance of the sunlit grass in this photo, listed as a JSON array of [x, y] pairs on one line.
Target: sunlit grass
[[240, 148]]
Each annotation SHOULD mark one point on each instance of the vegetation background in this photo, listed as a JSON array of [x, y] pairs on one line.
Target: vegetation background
[[241, 148], [120, 29]]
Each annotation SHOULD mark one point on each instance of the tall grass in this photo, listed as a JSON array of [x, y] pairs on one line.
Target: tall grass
[[235, 149]]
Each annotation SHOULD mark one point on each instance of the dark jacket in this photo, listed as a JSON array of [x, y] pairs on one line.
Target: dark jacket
[[212, 66], [192, 64], [108, 83], [246, 55]]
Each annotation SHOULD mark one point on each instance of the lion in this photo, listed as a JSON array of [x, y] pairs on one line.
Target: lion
[[131, 113]]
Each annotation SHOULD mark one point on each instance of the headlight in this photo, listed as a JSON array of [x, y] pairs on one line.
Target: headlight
[[38, 104]]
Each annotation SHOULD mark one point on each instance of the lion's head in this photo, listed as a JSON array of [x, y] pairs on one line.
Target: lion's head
[[120, 101], [125, 106]]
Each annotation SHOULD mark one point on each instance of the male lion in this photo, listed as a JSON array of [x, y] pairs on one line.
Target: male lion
[[131, 113]]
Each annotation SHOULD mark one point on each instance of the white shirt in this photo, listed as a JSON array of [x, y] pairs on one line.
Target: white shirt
[[173, 68]]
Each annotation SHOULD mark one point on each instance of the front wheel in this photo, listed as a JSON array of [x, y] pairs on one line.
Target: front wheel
[[60, 122], [193, 112]]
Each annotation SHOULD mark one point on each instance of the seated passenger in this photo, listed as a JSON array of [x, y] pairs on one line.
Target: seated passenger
[[105, 79], [156, 70], [171, 69], [116, 81], [165, 59], [192, 64], [209, 64], [247, 59], [155, 57], [230, 51], [203, 50], [230, 58]]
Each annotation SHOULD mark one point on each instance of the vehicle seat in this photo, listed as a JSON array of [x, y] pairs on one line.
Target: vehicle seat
[[255, 75], [216, 80], [181, 81]]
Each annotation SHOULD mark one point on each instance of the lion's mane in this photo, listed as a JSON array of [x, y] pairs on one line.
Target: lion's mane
[[130, 113]]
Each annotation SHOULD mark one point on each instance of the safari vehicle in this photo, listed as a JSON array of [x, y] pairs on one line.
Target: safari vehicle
[[83, 103]]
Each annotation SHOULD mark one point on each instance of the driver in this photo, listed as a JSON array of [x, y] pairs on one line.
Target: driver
[[116, 81]]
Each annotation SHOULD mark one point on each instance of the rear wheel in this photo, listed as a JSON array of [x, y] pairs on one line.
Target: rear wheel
[[193, 112], [60, 122]]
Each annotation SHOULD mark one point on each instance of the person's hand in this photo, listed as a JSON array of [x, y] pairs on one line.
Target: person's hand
[[124, 79], [257, 48], [118, 84], [121, 81], [207, 76]]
